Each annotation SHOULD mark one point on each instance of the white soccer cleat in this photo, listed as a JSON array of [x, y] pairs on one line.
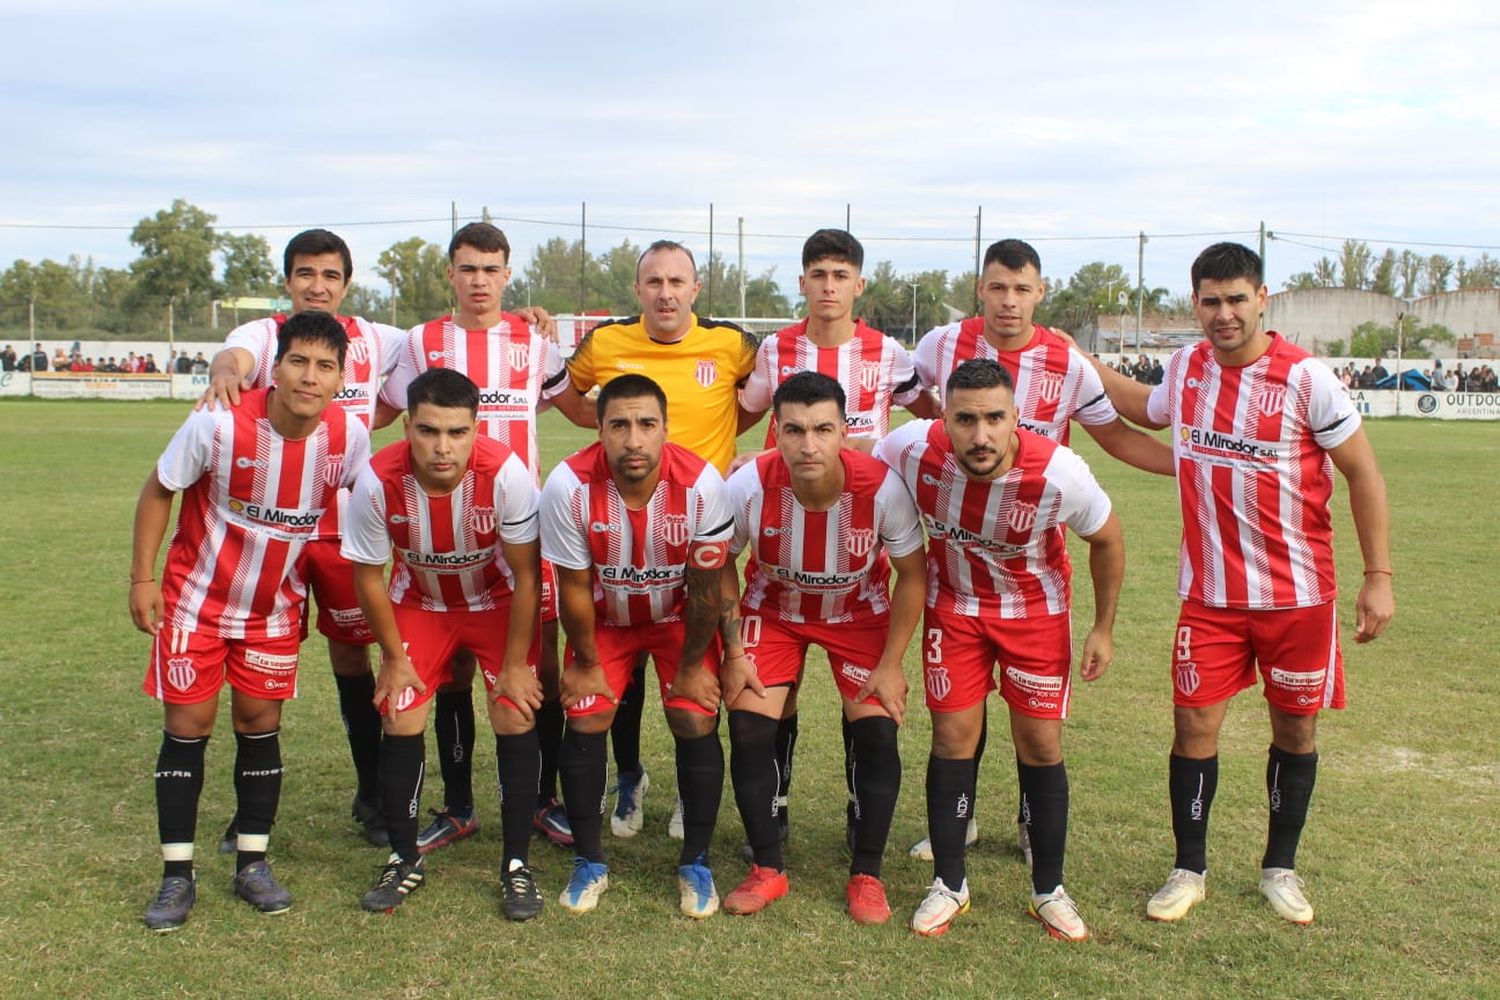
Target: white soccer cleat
[[1284, 890], [941, 907], [674, 825], [630, 810], [1057, 912], [1182, 891], [922, 849]]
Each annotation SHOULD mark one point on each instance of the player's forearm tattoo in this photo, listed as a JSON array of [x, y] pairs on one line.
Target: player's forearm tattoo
[[700, 613], [729, 622]]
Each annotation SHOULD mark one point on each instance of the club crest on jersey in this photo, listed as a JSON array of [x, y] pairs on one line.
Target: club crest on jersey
[[405, 698], [869, 376], [674, 528], [482, 519], [520, 356], [180, 673], [1271, 399], [1022, 516], [358, 351], [860, 542], [333, 471], [1185, 676], [708, 372], [939, 684], [1049, 386]]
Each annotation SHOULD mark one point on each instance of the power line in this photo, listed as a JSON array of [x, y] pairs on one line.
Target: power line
[[1283, 236]]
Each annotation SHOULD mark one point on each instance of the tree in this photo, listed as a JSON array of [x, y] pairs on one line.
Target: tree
[[1354, 264], [1384, 278], [248, 268], [615, 289], [176, 262], [417, 270], [1373, 340], [1436, 274], [552, 275], [370, 303], [763, 297], [1483, 273], [1410, 271]]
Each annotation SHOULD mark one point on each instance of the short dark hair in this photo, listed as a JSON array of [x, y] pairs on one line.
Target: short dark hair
[[630, 386], [312, 243], [980, 373], [1013, 255], [445, 388], [1226, 262], [482, 236], [315, 326], [808, 388], [832, 244], [665, 245]]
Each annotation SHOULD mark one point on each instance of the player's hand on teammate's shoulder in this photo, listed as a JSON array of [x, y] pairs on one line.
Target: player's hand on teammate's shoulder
[[146, 606], [519, 683], [737, 676], [540, 318], [396, 675], [740, 461], [1098, 653], [887, 685], [224, 390], [698, 685], [1374, 608], [579, 683]]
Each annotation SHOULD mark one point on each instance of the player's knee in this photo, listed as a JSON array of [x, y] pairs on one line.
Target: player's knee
[[687, 725], [190, 722], [507, 721], [1196, 731], [592, 725], [1038, 741], [1294, 733], [255, 715], [348, 660], [955, 735]]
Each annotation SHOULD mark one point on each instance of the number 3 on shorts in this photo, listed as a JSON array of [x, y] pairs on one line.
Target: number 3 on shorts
[[934, 645]]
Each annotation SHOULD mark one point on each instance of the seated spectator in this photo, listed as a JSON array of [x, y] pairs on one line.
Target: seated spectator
[[8, 359], [149, 365], [38, 359], [200, 364], [60, 360]]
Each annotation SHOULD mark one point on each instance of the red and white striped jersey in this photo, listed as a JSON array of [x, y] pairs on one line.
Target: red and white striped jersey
[[825, 566], [1053, 383], [515, 367], [250, 500], [639, 556], [875, 371], [996, 548], [448, 548], [372, 352], [1253, 474]]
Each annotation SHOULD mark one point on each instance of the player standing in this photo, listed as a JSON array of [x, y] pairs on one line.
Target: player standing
[[1054, 387], [993, 498], [1258, 427], [824, 525], [639, 529], [459, 512], [519, 372], [700, 365], [256, 481]]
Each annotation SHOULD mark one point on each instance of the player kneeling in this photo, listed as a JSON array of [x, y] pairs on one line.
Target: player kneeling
[[255, 482], [459, 512], [824, 524]]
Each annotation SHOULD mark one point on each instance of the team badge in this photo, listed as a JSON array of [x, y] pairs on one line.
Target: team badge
[[1185, 676], [1049, 386], [869, 376], [1271, 399], [520, 356], [861, 541], [1022, 516], [181, 673], [482, 519], [405, 698], [939, 684], [708, 372], [359, 350], [674, 528], [333, 471]]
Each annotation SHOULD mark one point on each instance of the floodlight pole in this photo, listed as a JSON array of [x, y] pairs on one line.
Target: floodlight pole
[[913, 286]]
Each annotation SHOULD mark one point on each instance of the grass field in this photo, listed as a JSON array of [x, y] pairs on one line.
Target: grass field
[[1400, 854]]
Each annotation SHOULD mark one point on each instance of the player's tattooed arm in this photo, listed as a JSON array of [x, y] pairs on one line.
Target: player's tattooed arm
[[738, 673], [701, 620]]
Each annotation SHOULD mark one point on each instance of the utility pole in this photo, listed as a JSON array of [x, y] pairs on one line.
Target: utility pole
[[710, 311], [978, 228], [742, 265], [1140, 287], [583, 255]]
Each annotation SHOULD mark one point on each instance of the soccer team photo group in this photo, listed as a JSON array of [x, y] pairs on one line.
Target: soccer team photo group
[[898, 506]]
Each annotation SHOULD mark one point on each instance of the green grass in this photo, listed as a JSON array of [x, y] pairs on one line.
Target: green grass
[[1399, 853]]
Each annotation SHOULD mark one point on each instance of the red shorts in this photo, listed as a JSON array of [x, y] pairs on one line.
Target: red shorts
[[330, 580], [549, 592], [619, 648], [1035, 655], [433, 637], [1217, 650], [190, 667], [778, 649]]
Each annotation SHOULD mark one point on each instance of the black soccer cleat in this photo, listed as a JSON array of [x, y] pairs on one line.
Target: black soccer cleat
[[398, 879], [522, 900], [255, 884], [173, 902]]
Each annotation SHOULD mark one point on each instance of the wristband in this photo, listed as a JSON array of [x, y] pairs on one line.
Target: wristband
[[148, 579], [1385, 571]]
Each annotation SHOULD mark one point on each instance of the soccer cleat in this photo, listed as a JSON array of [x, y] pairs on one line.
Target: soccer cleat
[[943, 905], [630, 813], [674, 825], [255, 884], [1284, 890], [398, 879], [521, 898], [867, 902], [371, 821], [922, 849], [590, 879], [762, 887], [695, 888], [1023, 839], [1182, 891], [229, 843], [551, 821], [448, 826], [173, 902], [1057, 912]]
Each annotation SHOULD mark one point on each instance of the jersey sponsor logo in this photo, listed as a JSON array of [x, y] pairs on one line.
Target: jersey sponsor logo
[[860, 542], [245, 462], [787, 371], [1185, 677], [707, 373], [180, 672], [512, 399], [346, 616], [482, 519], [351, 394], [1193, 383], [856, 674], [674, 528], [1210, 443], [272, 684], [358, 351], [600, 527], [300, 521], [270, 663], [1038, 684], [928, 479], [709, 555], [957, 533], [804, 580], [399, 519], [1041, 703], [1271, 399], [333, 472], [520, 356], [434, 355], [641, 575], [1049, 386], [869, 377], [448, 562], [1297, 679], [771, 532], [1022, 516], [939, 684]]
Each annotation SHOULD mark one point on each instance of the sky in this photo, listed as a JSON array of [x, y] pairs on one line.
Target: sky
[[1073, 125]]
